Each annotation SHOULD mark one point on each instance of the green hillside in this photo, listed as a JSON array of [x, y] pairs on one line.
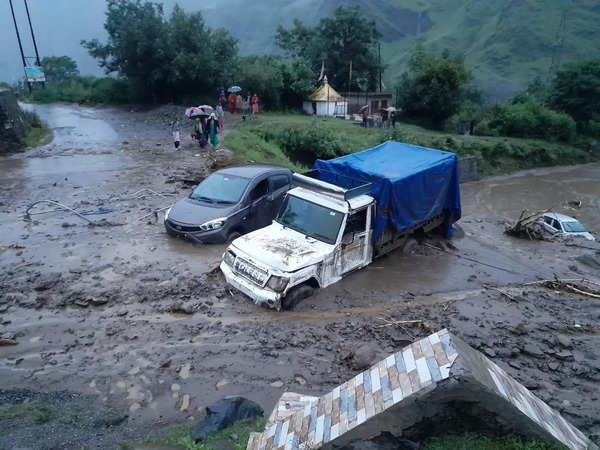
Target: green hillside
[[506, 42]]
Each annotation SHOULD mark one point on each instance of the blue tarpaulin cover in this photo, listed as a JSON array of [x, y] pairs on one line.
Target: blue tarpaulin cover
[[411, 184]]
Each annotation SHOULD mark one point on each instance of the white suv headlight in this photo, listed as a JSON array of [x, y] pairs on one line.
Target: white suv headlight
[[167, 214], [229, 258], [278, 284], [213, 224]]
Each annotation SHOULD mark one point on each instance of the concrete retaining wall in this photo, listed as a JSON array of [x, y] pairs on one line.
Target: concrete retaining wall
[[467, 169]]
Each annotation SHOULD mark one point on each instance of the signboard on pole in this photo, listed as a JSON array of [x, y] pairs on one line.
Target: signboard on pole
[[35, 74]]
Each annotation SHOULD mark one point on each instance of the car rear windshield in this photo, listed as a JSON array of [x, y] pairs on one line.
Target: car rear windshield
[[220, 188], [573, 227], [310, 219]]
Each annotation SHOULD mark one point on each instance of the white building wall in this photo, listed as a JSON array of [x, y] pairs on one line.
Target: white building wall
[[330, 108]]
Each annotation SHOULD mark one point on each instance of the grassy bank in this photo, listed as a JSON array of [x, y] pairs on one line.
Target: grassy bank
[[236, 438], [37, 132], [295, 140]]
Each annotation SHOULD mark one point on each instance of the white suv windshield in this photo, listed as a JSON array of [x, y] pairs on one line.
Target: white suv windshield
[[220, 188], [573, 227], [311, 219]]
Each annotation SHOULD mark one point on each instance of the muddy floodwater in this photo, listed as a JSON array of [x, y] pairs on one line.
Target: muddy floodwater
[[133, 330]]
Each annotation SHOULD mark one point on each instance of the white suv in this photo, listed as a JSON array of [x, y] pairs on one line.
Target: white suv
[[561, 225]]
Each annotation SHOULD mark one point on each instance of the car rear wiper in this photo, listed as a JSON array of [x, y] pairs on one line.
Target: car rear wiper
[[224, 202]]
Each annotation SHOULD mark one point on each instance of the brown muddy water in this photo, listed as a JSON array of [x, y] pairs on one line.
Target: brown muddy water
[[120, 323]]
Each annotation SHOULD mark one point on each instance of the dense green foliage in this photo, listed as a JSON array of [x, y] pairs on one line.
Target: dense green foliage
[[434, 87], [83, 90], [346, 37], [280, 84], [576, 91], [296, 141], [59, 68], [164, 59], [528, 120]]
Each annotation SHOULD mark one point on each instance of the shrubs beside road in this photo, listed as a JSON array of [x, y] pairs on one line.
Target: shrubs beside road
[[296, 141]]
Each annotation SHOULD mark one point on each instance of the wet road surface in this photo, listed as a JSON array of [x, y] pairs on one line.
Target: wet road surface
[[136, 320]]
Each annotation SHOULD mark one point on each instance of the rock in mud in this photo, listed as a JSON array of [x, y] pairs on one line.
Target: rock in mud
[[564, 341], [98, 301], [47, 281], [364, 357], [564, 355], [7, 339], [533, 350], [183, 308], [225, 413]]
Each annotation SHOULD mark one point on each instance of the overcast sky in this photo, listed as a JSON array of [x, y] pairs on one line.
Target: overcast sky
[[59, 27]]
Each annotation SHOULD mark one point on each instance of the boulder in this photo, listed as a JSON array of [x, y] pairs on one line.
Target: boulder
[[224, 413]]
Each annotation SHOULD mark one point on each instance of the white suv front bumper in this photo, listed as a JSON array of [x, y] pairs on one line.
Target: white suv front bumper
[[256, 293]]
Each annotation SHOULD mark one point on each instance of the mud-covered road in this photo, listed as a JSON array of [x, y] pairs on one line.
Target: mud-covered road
[[121, 330]]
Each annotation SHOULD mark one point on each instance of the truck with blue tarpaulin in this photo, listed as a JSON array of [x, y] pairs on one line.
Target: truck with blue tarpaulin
[[340, 216]]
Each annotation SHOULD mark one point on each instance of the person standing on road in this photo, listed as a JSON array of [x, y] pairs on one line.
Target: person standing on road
[[238, 103], [213, 126], [246, 108], [231, 100], [175, 130], [220, 115], [255, 104], [222, 99]]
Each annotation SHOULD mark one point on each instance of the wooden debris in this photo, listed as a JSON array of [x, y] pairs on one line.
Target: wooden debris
[[529, 226], [576, 286]]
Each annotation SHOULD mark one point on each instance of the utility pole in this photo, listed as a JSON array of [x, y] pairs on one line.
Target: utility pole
[[379, 64], [20, 45], [37, 55]]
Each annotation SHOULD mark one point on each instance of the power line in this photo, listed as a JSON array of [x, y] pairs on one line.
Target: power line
[[18, 35], [37, 55]]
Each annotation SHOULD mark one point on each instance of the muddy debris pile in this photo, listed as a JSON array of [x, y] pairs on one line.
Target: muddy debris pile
[[529, 226]]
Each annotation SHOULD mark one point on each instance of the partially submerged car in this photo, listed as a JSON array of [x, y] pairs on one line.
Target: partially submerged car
[[229, 203], [561, 225]]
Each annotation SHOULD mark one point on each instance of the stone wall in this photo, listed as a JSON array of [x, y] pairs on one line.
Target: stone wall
[[467, 169], [12, 122]]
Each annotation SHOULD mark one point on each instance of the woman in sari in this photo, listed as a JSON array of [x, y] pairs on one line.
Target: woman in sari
[[213, 126], [231, 100], [254, 104]]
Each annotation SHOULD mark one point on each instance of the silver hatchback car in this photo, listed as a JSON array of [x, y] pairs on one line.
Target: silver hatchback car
[[229, 203]]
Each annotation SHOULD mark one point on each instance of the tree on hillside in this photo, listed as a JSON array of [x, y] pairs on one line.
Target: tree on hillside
[[346, 37], [163, 59], [576, 91], [59, 68], [434, 87]]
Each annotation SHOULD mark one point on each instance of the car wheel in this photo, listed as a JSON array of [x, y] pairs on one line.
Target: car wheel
[[295, 296], [233, 236]]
